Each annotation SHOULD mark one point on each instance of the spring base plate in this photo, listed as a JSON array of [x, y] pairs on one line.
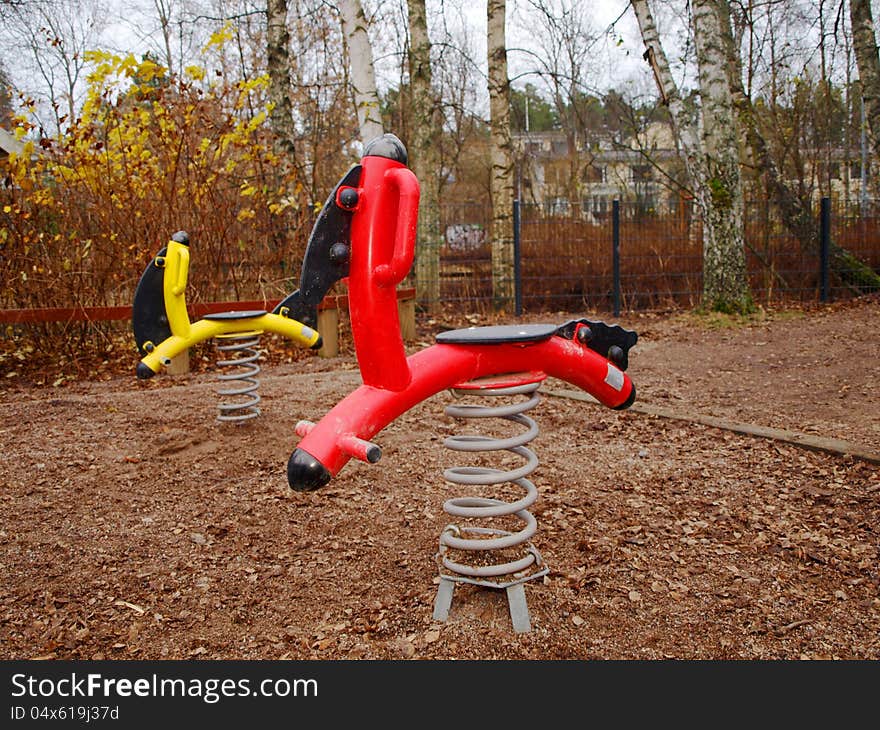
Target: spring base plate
[[516, 598]]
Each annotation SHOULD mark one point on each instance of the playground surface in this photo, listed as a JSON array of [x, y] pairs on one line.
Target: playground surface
[[133, 525]]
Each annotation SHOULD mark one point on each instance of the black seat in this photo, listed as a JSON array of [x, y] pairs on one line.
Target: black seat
[[247, 314], [504, 334]]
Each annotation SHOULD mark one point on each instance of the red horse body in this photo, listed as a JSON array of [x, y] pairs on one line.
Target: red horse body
[[382, 199]]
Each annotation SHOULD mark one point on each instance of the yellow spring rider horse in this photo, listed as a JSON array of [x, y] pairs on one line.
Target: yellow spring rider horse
[[161, 324]]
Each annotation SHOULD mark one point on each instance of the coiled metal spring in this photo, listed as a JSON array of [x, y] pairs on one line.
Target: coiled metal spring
[[245, 347], [526, 564]]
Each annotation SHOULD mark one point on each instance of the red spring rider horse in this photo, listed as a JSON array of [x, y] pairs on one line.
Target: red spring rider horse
[[367, 232]]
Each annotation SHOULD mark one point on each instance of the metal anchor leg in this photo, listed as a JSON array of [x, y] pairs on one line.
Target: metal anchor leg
[[443, 602], [519, 610]]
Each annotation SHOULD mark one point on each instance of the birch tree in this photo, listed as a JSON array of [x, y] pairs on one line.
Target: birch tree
[[425, 120], [710, 148], [362, 75], [868, 63], [501, 158], [725, 283]]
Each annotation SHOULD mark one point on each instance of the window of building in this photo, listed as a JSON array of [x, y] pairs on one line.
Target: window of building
[[855, 170], [641, 172], [556, 206]]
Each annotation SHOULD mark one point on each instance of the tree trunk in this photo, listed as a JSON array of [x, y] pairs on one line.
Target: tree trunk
[[278, 63], [362, 74], [868, 62], [502, 178], [852, 270], [424, 157], [686, 128], [725, 284]]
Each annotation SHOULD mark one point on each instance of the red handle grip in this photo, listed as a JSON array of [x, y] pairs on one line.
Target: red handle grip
[[407, 186]]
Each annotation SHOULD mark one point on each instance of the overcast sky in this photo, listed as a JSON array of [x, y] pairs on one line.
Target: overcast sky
[[617, 64], [616, 52]]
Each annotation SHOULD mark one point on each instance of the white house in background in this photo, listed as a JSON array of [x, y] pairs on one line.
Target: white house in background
[[606, 171], [630, 172], [9, 144]]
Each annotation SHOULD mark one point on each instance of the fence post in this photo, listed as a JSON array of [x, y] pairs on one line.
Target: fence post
[[824, 247], [517, 261], [615, 253]]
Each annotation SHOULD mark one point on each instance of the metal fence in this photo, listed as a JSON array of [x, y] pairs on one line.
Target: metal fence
[[632, 258], [564, 262]]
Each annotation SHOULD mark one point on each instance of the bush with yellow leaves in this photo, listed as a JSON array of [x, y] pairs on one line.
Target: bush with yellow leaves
[[150, 154]]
